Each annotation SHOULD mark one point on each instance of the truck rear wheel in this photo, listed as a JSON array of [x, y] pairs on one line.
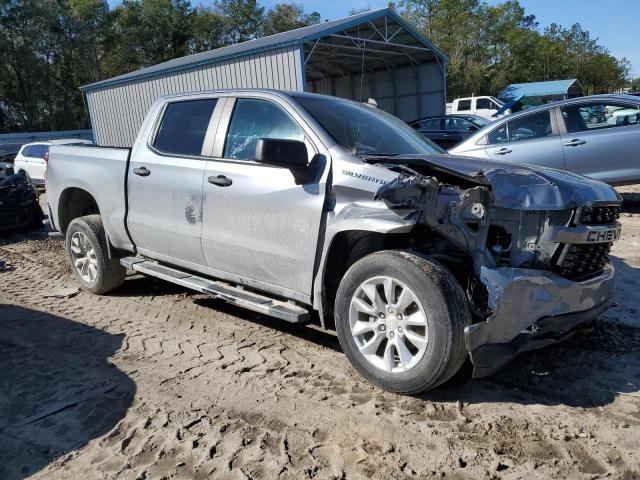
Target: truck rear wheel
[[400, 320], [86, 245]]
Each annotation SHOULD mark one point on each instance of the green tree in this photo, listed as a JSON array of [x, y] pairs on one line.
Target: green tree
[[243, 19], [287, 16], [154, 31], [208, 30]]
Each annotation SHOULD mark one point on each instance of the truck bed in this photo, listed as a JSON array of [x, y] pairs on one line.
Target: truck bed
[[101, 172]]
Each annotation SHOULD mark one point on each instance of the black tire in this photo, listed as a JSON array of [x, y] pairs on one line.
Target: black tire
[[446, 308], [110, 274]]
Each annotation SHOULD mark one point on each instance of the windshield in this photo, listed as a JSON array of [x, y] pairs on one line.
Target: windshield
[[479, 121], [366, 130]]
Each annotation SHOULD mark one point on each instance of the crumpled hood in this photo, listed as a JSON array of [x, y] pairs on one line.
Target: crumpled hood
[[516, 185]]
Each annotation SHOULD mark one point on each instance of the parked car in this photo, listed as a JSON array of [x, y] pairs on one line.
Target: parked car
[[559, 135], [448, 130], [483, 106], [295, 203], [32, 158], [19, 207]]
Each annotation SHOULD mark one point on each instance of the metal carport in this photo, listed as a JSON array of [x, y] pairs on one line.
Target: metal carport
[[371, 55], [550, 90]]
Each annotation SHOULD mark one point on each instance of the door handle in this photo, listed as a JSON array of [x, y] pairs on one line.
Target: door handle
[[575, 142], [502, 151], [220, 180], [142, 171]]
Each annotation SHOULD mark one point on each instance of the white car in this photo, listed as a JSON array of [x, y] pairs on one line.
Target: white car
[[32, 157]]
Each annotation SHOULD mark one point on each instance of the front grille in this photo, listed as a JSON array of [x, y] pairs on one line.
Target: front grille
[[583, 261], [600, 215]]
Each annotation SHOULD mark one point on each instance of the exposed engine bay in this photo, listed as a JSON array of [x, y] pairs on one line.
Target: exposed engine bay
[[539, 246]]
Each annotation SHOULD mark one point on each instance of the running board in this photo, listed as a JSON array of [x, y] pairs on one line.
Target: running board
[[217, 289]]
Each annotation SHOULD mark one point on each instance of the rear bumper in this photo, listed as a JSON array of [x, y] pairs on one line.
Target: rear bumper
[[532, 309]]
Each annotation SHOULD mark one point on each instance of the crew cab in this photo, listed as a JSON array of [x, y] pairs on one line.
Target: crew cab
[[482, 106], [313, 208]]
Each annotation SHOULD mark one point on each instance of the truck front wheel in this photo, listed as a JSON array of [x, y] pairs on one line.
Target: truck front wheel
[[86, 245], [400, 320]]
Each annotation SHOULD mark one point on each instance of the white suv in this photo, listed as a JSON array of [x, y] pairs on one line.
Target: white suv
[[32, 158]]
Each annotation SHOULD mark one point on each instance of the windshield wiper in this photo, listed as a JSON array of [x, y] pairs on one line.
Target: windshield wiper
[[377, 154]]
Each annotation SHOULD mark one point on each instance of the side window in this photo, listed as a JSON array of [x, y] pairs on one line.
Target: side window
[[498, 135], [453, 123], [593, 116], [464, 105], [430, 124], [537, 125], [484, 103], [255, 119], [184, 126], [35, 151]]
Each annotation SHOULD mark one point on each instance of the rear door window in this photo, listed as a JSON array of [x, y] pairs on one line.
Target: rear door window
[[255, 119], [464, 105], [35, 151], [453, 123], [184, 126], [584, 117], [430, 124]]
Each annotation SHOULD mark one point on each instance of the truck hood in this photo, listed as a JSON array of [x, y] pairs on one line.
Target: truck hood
[[514, 185]]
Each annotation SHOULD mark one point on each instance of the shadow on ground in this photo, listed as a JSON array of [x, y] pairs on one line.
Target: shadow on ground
[[589, 369], [58, 390]]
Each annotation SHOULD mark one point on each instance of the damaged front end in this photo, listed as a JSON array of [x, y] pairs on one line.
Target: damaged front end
[[538, 241]]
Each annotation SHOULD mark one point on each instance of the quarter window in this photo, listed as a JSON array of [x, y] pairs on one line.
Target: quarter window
[[593, 116], [255, 119], [35, 151], [184, 126]]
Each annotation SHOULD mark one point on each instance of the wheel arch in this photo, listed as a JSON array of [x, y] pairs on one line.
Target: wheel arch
[[75, 202], [345, 245]]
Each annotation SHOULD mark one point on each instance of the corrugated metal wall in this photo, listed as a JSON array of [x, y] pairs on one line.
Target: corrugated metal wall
[[406, 92], [117, 111]]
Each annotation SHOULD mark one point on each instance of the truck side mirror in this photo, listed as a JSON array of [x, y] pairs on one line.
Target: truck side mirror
[[282, 153]]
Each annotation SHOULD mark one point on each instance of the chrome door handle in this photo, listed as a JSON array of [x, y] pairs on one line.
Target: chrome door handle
[[220, 180], [575, 142], [142, 171], [502, 151]]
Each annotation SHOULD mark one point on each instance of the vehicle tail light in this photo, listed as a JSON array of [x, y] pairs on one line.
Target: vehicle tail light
[[45, 157]]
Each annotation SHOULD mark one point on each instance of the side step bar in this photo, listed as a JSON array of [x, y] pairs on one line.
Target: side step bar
[[217, 289]]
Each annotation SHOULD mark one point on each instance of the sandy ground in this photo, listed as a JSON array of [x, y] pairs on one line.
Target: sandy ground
[[154, 381]]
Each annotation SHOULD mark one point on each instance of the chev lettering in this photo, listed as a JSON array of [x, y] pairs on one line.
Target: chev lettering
[[366, 178], [603, 236]]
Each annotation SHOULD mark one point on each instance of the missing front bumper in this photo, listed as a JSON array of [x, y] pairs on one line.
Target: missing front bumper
[[532, 309]]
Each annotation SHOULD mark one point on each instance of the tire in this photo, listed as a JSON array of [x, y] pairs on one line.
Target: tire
[[437, 294], [107, 272]]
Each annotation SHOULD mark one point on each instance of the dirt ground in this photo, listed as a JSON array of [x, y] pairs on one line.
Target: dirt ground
[[154, 381]]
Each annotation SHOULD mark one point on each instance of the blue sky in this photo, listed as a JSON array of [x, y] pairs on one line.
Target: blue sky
[[614, 22]]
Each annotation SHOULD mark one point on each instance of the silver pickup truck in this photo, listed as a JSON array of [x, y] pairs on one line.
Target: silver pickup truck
[[314, 208]]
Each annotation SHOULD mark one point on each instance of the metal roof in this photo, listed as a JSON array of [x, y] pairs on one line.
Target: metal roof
[[292, 37], [538, 89]]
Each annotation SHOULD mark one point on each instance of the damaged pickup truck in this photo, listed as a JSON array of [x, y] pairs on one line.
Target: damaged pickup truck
[[313, 208]]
